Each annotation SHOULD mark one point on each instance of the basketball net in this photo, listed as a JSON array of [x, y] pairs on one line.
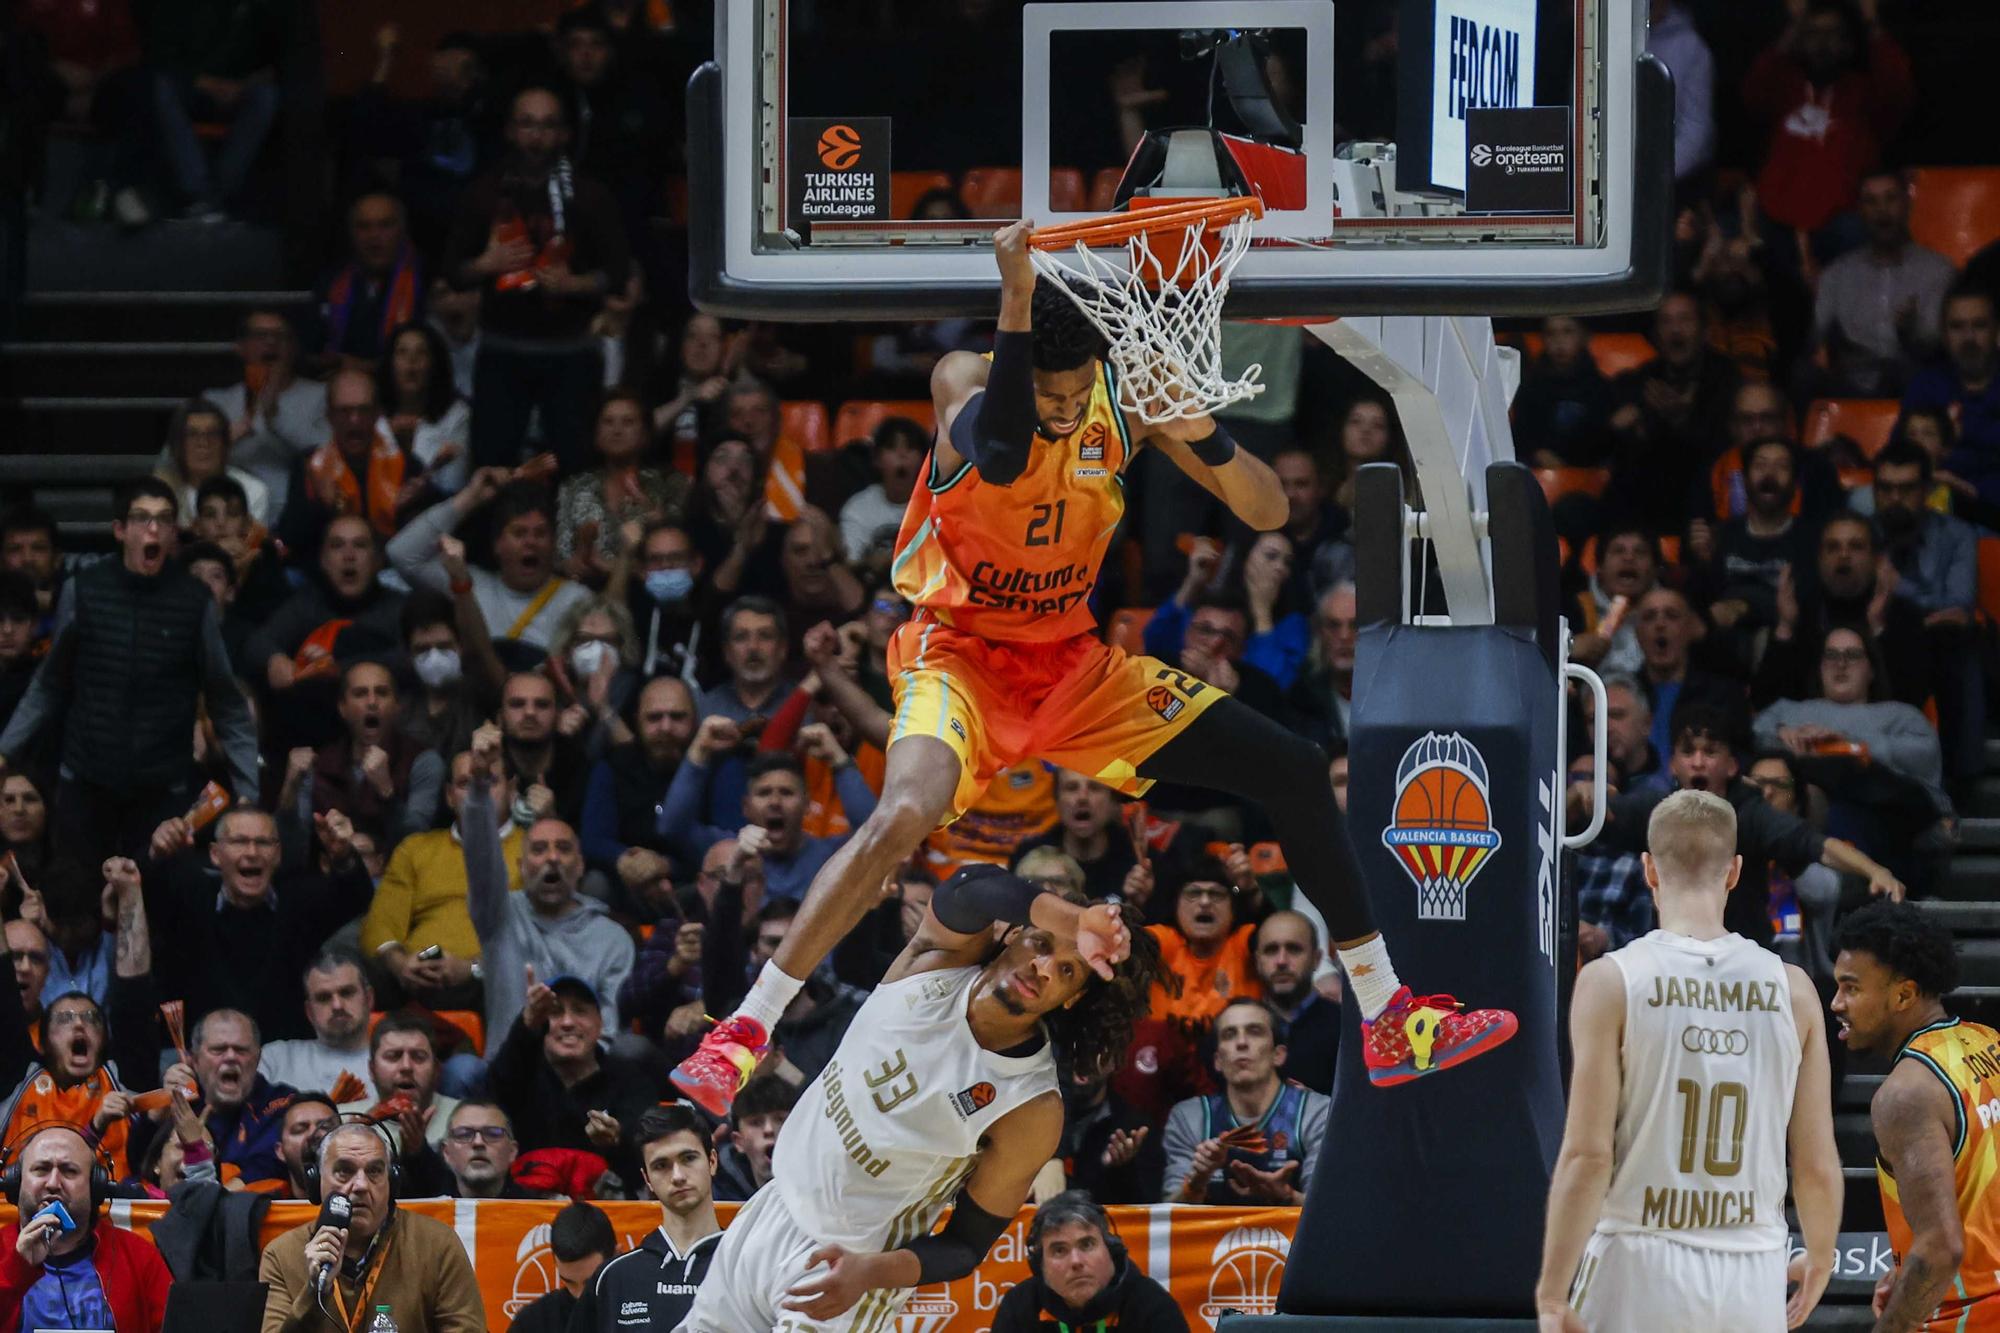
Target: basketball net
[[1161, 312], [1441, 899]]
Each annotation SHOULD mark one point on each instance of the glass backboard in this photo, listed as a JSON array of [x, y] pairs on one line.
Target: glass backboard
[[852, 158]]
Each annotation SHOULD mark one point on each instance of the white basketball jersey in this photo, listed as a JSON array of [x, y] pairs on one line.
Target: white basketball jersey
[[1711, 1060], [880, 1143]]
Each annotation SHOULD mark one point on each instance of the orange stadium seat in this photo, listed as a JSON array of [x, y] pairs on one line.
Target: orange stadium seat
[[1867, 421], [1127, 629], [1067, 193], [1614, 353], [1560, 481], [1104, 189], [857, 420], [992, 192], [804, 424], [1955, 210], [906, 187]]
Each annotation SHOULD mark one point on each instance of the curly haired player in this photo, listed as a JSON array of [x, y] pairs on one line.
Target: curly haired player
[[999, 551], [945, 1090], [1935, 1138]]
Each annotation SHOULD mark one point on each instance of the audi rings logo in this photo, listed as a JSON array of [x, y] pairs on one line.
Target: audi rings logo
[[1715, 1041], [1481, 155]]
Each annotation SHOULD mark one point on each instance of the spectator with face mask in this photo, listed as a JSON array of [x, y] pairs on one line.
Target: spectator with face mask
[[672, 606], [454, 697], [595, 659]]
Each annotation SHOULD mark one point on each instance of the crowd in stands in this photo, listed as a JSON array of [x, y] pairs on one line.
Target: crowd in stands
[[469, 699]]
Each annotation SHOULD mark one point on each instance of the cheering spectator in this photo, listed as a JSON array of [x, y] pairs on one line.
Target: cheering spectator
[[241, 903], [774, 806], [593, 507], [137, 641], [1879, 308], [550, 769], [1287, 951], [452, 704], [525, 600], [595, 654], [1852, 583], [754, 650], [750, 414], [1628, 566], [1208, 635], [1209, 1157], [545, 247], [433, 146], [28, 948], [817, 585], [1207, 951], [1829, 92], [76, 1064], [306, 1120], [1670, 413], [1562, 414], [583, 1242], [342, 607], [420, 904], [871, 517], [653, 1285], [1668, 630], [548, 926], [419, 1268], [197, 452], [378, 290], [338, 1001], [563, 1086], [621, 805], [243, 1111], [1736, 567], [731, 526], [431, 423], [743, 1165], [1080, 1275], [673, 604], [1088, 830], [700, 382], [479, 1150], [1802, 905], [92, 1276], [1628, 736], [403, 1072], [373, 774], [361, 470], [275, 418]]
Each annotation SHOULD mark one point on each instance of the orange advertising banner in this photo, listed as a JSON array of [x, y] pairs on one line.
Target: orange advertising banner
[[1210, 1259]]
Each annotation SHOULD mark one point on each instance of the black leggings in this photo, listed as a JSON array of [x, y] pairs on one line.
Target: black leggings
[[1236, 749]]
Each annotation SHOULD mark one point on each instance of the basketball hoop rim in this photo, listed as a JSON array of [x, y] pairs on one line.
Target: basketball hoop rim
[[1146, 219]]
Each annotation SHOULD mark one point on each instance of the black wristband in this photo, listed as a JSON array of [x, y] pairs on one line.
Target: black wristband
[[960, 1246], [1215, 448]]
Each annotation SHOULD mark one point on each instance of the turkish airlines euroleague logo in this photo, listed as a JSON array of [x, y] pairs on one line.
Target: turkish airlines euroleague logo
[[839, 147]]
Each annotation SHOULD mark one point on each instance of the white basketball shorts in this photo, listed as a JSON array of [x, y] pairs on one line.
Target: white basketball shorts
[[762, 1254], [1630, 1282]]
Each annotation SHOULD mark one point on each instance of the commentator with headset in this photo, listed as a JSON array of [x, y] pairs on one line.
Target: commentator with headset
[[1079, 1277], [330, 1275], [58, 1267]]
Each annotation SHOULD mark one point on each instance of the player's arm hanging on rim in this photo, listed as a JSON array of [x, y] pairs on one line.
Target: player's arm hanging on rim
[[1817, 1185], [1915, 1122], [1583, 1168], [986, 409]]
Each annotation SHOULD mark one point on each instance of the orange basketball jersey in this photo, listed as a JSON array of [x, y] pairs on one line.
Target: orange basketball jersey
[[1965, 1057], [1018, 562]]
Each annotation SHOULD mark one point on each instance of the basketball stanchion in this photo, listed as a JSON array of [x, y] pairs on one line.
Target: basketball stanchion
[[1425, 1209]]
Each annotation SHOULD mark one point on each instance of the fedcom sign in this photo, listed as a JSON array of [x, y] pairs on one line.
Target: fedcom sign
[[1482, 56]]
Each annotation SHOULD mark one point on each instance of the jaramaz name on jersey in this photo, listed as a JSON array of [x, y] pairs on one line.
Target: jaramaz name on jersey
[[1041, 591]]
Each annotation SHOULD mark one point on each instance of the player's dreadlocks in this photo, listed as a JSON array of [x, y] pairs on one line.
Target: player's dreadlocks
[[1904, 940], [1092, 1034], [1063, 338]]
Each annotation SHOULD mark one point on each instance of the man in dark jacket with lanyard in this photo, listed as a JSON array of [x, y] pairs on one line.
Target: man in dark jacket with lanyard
[[137, 639], [1081, 1278], [662, 1274]]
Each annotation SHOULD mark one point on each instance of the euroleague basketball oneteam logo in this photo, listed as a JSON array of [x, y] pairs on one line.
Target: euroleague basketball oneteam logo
[[1442, 830], [839, 147], [1481, 155], [1245, 1270]]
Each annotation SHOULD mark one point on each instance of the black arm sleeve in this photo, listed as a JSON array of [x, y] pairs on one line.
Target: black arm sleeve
[[996, 427], [978, 895], [958, 1249]]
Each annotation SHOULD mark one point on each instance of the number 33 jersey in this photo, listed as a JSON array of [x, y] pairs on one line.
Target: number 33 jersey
[[1017, 563], [1711, 1059], [881, 1141]]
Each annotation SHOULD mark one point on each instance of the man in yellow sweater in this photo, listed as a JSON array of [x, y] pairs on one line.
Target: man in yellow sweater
[[421, 903]]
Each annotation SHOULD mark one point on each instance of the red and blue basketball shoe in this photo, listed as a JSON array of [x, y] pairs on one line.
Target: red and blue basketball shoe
[[1422, 1034], [722, 1064]]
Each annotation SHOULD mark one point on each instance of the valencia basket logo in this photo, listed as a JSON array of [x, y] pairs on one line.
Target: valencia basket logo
[[1442, 831]]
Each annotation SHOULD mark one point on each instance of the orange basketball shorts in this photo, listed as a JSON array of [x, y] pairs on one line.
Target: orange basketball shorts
[[1076, 702]]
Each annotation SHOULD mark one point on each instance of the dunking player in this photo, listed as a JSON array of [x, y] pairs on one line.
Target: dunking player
[[998, 553], [1699, 1059], [944, 1090], [1935, 1139]]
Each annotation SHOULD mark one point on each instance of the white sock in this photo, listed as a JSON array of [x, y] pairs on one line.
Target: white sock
[[1371, 977], [769, 995]]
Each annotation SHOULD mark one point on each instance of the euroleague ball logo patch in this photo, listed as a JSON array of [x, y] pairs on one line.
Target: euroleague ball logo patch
[[1441, 830], [973, 1100], [1090, 448], [1165, 702], [839, 147]]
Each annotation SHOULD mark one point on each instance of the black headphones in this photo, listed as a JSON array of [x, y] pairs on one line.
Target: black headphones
[[1072, 1206], [10, 1172], [309, 1169]]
